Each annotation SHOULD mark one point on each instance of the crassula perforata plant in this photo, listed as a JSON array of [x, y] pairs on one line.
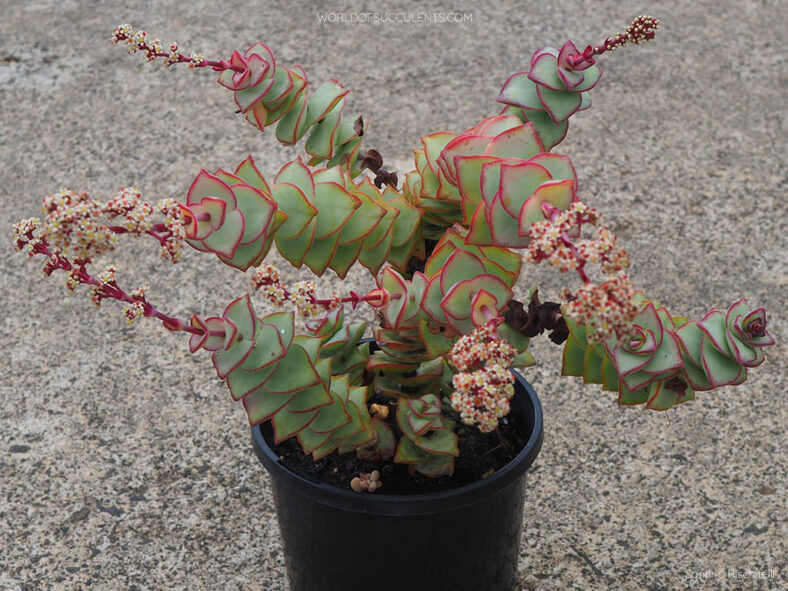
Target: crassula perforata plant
[[446, 247]]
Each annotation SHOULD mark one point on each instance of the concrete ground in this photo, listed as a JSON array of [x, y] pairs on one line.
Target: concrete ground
[[124, 464]]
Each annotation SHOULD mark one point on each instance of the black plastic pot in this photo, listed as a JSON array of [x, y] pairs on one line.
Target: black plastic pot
[[461, 539]]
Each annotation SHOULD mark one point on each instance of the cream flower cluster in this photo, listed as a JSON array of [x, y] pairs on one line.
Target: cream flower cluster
[[303, 296], [558, 241], [152, 47], [72, 228], [135, 214], [174, 221], [133, 311], [605, 310], [23, 235], [642, 29], [481, 397], [266, 279], [97, 292], [480, 347], [137, 41]]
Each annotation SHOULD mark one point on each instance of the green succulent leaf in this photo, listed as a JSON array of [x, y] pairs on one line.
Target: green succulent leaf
[[268, 348], [241, 383], [320, 143], [335, 207], [385, 443], [550, 133], [560, 105], [520, 90], [294, 372], [639, 396], [261, 406], [324, 99], [544, 72], [573, 360]]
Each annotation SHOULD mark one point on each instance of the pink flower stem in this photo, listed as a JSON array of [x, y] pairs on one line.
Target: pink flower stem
[[158, 231], [581, 262], [551, 212], [111, 289], [643, 28], [217, 66], [354, 299], [586, 57], [375, 297]]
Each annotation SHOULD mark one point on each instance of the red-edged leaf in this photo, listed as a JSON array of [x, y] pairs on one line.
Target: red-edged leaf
[[208, 185], [226, 239], [560, 194], [518, 182], [294, 372], [248, 172], [335, 206], [459, 266], [258, 210], [560, 105], [519, 142], [545, 72]]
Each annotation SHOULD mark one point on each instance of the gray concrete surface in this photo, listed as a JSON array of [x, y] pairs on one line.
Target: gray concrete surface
[[123, 462]]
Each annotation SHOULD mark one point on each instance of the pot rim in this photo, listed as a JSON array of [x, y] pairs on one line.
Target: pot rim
[[415, 504]]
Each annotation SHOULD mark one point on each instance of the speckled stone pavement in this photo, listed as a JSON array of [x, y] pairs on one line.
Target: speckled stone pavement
[[123, 462]]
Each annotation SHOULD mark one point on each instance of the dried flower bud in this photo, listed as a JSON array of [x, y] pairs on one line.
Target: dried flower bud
[[366, 482], [381, 410]]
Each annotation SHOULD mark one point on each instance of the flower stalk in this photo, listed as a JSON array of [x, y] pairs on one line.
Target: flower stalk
[[643, 28], [104, 286], [152, 47]]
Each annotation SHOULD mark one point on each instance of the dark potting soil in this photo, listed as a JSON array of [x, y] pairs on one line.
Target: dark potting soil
[[481, 454]]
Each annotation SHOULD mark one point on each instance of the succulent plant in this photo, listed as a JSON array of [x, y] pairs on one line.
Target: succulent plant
[[718, 349], [266, 94], [556, 85], [667, 359], [318, 218], [446, 252]]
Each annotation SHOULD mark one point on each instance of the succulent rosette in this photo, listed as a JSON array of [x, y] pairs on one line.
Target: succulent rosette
[[319, 218], [232, 215], [719, 348], [293, 380], [250, 75], [435, 185], [467, 285], [550, 92], [317, 207], [463, 286], [429, 443], [650, 353], [504, 177], [500, 136], [231, 338], [665, 360]]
